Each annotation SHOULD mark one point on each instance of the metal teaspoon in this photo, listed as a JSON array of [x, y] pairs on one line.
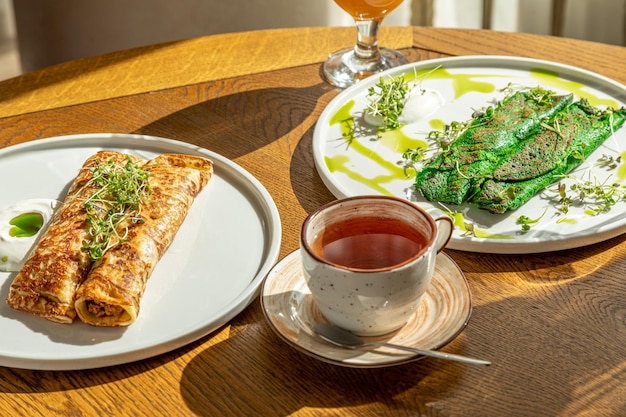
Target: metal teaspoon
[[343, 338]]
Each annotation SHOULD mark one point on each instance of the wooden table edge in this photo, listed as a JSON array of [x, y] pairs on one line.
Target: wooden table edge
[[174, 64]]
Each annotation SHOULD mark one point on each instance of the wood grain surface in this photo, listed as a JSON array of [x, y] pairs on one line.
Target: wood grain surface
[[554, 325]]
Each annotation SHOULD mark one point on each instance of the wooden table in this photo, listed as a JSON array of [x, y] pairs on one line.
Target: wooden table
[[554, 324]]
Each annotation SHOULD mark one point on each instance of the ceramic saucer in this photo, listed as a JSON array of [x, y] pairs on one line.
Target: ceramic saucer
[[443, 313]]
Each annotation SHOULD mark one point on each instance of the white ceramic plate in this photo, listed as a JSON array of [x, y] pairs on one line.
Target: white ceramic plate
[[444, 311], [211, 272], [371, 166]]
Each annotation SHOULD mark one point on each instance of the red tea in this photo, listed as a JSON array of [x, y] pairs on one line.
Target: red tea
[[369, 243]]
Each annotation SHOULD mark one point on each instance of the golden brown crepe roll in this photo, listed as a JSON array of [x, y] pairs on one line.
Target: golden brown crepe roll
[[46, 285], [111, 293]]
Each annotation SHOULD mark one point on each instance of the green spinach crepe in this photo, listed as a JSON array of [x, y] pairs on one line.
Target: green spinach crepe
[[508, 155]]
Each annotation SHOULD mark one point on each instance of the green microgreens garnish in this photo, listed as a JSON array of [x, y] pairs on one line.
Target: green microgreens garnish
[[114, 205], [595, 196], [411, 157], [555, 127], [348, 130], [386, 100], [527, 222], [444, 138], [609, 161], [469, 229], [539, 95]]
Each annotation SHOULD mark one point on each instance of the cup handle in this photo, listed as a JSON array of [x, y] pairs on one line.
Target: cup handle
[[445, 227]]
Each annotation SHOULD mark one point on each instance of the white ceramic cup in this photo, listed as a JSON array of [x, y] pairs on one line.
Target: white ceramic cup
[[368, 260]]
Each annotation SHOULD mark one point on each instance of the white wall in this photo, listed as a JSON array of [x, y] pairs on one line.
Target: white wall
[[7, 24], [595, 20], [52, 31], [9, 59]]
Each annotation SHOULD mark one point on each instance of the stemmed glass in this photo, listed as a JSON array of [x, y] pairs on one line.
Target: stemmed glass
[[347, 66]]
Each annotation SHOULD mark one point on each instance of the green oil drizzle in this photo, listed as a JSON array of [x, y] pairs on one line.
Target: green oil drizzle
[[437, 124], [26, 224], [399, 142], [552, 78], [567, 220], [462, 83], [621, 170], [459, 222], [395, 140], [342, 114], [340, 163], [483, 234], [458, 219]]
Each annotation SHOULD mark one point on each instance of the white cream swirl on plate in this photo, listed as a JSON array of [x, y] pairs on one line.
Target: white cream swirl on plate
[[20, 226], [421, 104]]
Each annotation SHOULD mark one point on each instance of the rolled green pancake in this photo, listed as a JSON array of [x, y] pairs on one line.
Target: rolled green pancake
[[489, 139], [546, 156]]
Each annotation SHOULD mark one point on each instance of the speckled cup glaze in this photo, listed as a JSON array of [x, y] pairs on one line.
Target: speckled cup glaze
[[371, 302]]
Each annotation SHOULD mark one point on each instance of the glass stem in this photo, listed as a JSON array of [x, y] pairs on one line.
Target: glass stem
[[367, 42]]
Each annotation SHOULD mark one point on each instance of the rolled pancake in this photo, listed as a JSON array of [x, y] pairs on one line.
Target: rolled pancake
[[46, 285], [112, 291]]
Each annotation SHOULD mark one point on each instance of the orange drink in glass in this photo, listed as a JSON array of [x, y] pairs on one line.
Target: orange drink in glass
[[368, 9], [347, 66]]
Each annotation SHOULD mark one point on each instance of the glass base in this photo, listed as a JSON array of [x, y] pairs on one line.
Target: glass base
[[343, 68]]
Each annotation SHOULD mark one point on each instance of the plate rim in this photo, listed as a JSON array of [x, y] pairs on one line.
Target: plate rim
[[292, 257], [481, 245], [254, 190]]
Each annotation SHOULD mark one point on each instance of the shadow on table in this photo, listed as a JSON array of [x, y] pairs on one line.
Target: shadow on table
[[212, 382], [549, 268], [546, 346], [242, 123], [238, 124]]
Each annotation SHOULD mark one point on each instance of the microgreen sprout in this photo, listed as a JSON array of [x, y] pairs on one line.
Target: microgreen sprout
[[348, 130], [469, 229], [609, 161], [387, 99], [114, 205], [596, 197], [555, 128], [458, 219], [450, 133], [411, 157], [540, 95], [527, 222]]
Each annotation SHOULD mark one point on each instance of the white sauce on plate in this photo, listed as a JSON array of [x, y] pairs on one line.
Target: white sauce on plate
[[420, 104], [15, 246]]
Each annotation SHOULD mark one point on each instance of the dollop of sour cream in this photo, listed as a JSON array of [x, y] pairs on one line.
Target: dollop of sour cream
[[421, 104], [20, 226]]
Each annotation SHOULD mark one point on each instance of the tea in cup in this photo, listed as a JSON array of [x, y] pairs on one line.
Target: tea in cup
[[368, 260]]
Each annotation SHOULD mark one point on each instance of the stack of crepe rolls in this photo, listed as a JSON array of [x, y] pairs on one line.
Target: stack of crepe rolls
[[60, 280]]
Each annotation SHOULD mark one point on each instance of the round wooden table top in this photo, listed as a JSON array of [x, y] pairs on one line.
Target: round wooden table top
[[553, 324]]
